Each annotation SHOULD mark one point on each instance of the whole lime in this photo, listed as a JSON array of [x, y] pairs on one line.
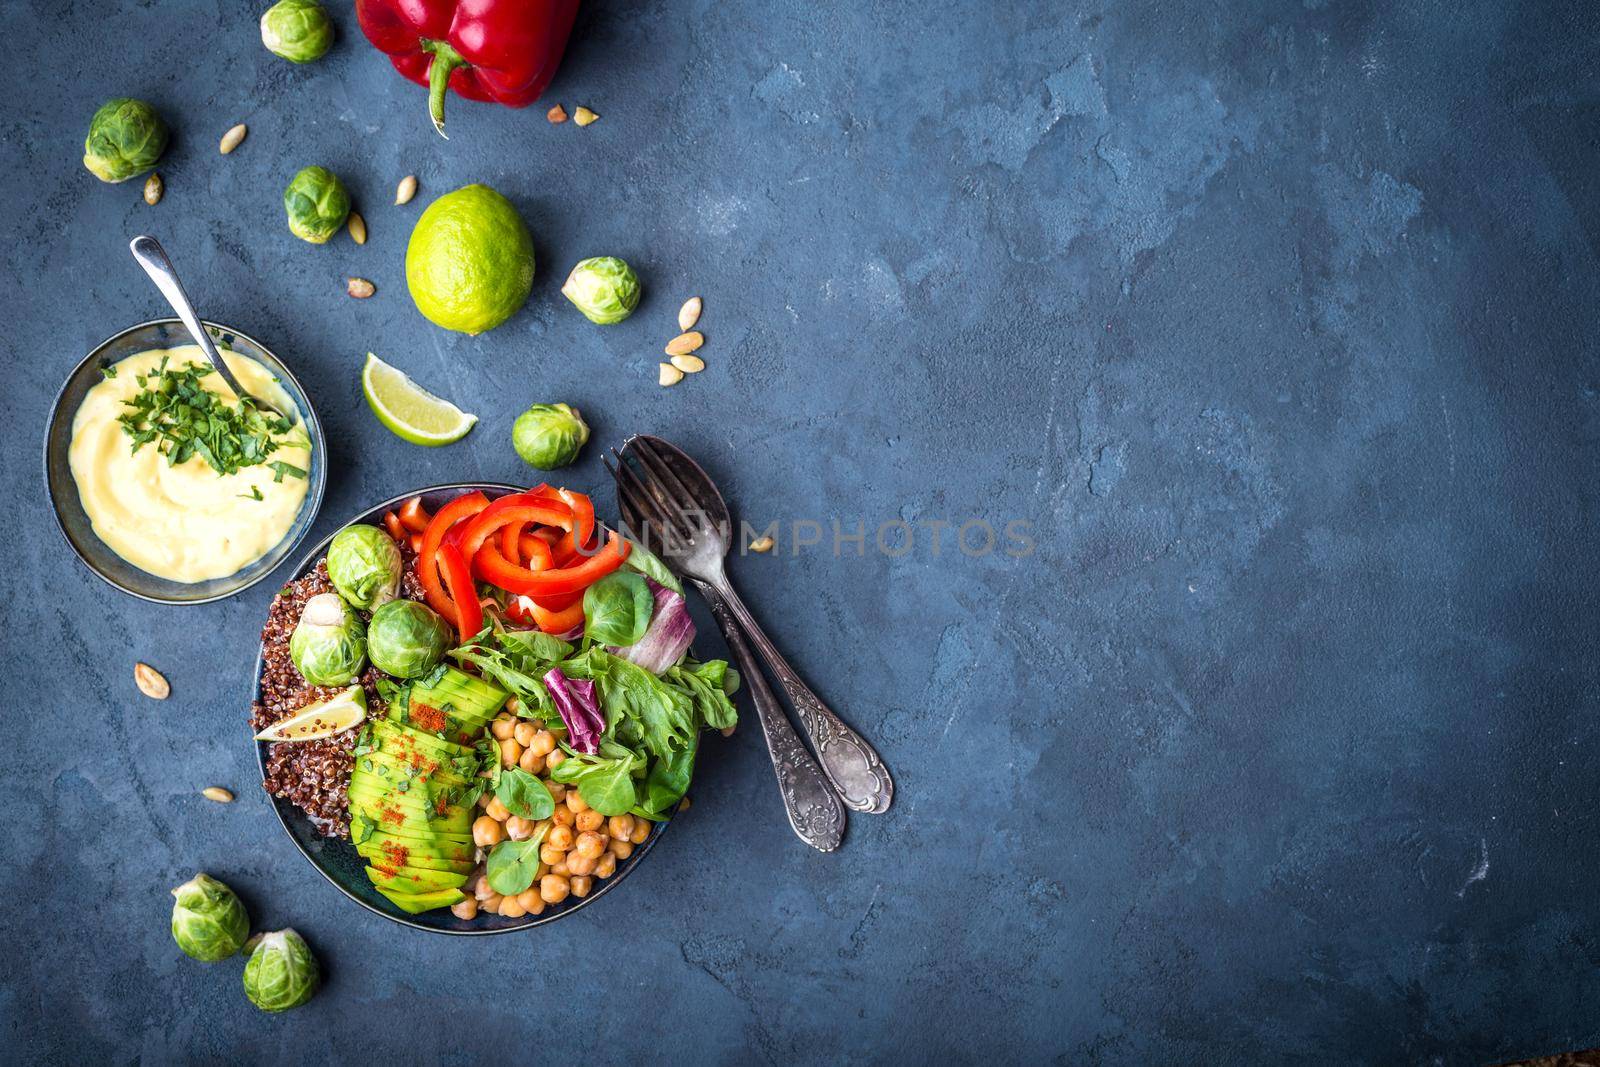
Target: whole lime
[[469, 264]]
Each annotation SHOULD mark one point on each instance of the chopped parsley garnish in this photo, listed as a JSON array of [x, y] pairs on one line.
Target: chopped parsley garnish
[[109, 371], [184, 419], [253, 494]]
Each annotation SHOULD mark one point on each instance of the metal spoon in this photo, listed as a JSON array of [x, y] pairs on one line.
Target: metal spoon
[[149, 254], [694, 541]]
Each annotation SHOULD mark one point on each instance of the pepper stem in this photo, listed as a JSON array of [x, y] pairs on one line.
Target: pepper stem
[[445, 61]]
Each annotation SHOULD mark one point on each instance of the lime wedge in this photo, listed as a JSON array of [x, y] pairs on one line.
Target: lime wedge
[[323, 719], [410, 411]]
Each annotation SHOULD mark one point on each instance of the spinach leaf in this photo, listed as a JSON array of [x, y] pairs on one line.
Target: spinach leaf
[[616, 609], [524, 795], [539, 647], [649, 564], [667, 781], [608, 790], [512, 865]]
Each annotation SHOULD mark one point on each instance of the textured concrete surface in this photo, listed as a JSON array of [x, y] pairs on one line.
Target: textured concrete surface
[[1275, 321]]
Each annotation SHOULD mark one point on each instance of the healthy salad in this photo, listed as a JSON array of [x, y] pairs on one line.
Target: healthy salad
[[494, 703]]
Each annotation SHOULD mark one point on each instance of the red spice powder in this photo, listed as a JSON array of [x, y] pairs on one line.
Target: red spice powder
[[427, 718], [394, 857]]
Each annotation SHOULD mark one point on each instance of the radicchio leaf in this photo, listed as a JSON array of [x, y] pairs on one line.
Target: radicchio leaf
[[580, 711], [670, 634]]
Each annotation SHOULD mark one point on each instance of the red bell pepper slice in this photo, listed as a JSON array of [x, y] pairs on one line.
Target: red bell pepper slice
[[413, 516], [534, 553], [499, 571], [558, 622], [462, 507], [504, 51], [582, 515], [469, 613], [391, 522], [499, 514]]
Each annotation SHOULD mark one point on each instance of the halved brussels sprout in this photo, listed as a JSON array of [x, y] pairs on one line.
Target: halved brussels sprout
[[317, 204], [548, 436], [298, 30], [407, 639], [329, 644], [282, 972], [126, 137], [364, 565], [604, 288], [208, 921]]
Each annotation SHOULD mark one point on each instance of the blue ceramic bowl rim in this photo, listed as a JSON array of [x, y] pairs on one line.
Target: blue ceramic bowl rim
[[285, 810], [308, 509]]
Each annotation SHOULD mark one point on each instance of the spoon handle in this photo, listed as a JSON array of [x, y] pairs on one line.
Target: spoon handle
[[811, 804], [149, 254], [850, 763]]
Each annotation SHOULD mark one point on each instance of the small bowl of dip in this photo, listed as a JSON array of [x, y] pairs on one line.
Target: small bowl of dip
[[163, 484]]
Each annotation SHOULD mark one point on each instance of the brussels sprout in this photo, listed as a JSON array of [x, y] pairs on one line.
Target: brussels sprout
[[548, 436], [364, 565], [208, 921], [407, 639], [604, 288], [329, 645], [298, 30], [317, 204], [282, 972], [126, 137]]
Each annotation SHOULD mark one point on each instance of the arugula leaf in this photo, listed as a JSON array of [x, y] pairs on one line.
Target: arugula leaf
[[524, 795], [536, 645], [705, 681], [512, 865], [641, 710], [667, 781], [616, 609], [649, 564]]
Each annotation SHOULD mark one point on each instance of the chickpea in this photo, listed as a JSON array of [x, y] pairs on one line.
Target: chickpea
[[563, 816], [548, 853], [483, 800], [576, 802], [560, 869], [555, 759], [531, 762], [620, 825], [580, 865], [497, 810], [590, 820], [590, 844], [553, 888], [528, 899], [606, 865], [512, 908], [502, 727], [561, 838], [480, 888], [544, 825], [538, 903], [581, 884], [541, 870], [518, 828], [641, 830], [491, 903], [487, 831], [542, 742], [558, 790], [465, 909], [524, 733], [510, 752], [620, 848]]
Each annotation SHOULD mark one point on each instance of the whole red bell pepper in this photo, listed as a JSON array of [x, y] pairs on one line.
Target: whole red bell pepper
[[502, 51]]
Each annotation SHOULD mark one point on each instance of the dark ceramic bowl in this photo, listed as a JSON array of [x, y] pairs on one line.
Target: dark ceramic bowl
[[337, 858], [74, 523]]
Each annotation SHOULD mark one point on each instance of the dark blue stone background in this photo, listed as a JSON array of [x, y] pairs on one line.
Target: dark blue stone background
[[1276, 322]]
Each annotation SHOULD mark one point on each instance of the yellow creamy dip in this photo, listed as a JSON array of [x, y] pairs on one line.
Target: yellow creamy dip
[[185, 523]]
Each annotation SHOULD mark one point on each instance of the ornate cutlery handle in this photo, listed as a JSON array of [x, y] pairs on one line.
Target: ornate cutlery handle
[[850, 763], [812, 806]]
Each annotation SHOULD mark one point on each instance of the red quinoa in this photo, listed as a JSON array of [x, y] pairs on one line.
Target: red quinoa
[[312, 775]]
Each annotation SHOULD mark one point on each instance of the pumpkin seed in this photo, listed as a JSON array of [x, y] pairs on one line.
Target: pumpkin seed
[[217, 793], [358, 228], [583, 116], [669, 375], [689, 314], [557, 114], [406, 189], [689, 364], [152, 190], [231, 139], [151, 682], [685, 343], [761, 544], [359, 288]]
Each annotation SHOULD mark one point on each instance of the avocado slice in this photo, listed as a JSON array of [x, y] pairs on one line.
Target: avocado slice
[[441, 842], [463, 695], [410, 854], [415, 880], [410, 820], [416, 903], [392, 736], [425, 767]]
